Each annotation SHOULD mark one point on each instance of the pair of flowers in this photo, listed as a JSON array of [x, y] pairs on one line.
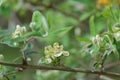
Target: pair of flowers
[[51, 52]]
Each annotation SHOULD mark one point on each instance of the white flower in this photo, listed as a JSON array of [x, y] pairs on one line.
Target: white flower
[[55, 51], [58, 54], [18, 31], [48, 60]]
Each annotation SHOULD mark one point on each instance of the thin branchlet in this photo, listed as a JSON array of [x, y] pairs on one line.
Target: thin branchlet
[[67, 69]]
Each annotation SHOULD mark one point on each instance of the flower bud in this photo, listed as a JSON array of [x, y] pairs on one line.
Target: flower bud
[[32, 25]]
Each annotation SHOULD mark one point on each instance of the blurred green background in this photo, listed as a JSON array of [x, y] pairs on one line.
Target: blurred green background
[[59, 14]]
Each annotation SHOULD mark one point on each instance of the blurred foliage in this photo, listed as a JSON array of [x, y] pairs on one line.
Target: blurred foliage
[[88, 29]]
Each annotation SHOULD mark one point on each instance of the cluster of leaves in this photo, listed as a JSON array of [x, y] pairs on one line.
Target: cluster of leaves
[[104, 44]]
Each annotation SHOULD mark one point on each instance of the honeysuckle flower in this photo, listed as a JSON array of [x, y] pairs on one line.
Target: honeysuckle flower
[[18, 31], [54, 52]]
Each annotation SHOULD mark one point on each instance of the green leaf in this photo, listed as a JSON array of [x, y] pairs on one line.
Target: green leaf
[[33, 33], [3, 33], [116, 52], [109, 27], [10, 42], [36, 17], [61, 31], [96, 65], [86, 2], [41, 24], [86, 15], [53, 33], [4, 69], [118, 47], [83, 39], [112, 13], [7, 41], [106, 12], [1, 2], [92, 26]]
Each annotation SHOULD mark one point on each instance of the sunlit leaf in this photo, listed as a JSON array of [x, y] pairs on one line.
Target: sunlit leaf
[[61, 31], [83, 39], [86, 15], [40, 23]]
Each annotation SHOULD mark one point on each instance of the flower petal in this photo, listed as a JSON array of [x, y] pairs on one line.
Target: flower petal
[[58, 54], [48, 60], [65, 53]]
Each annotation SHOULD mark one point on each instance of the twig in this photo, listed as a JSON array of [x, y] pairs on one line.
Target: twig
[[67, 69], [103, 61], [13, 72]]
